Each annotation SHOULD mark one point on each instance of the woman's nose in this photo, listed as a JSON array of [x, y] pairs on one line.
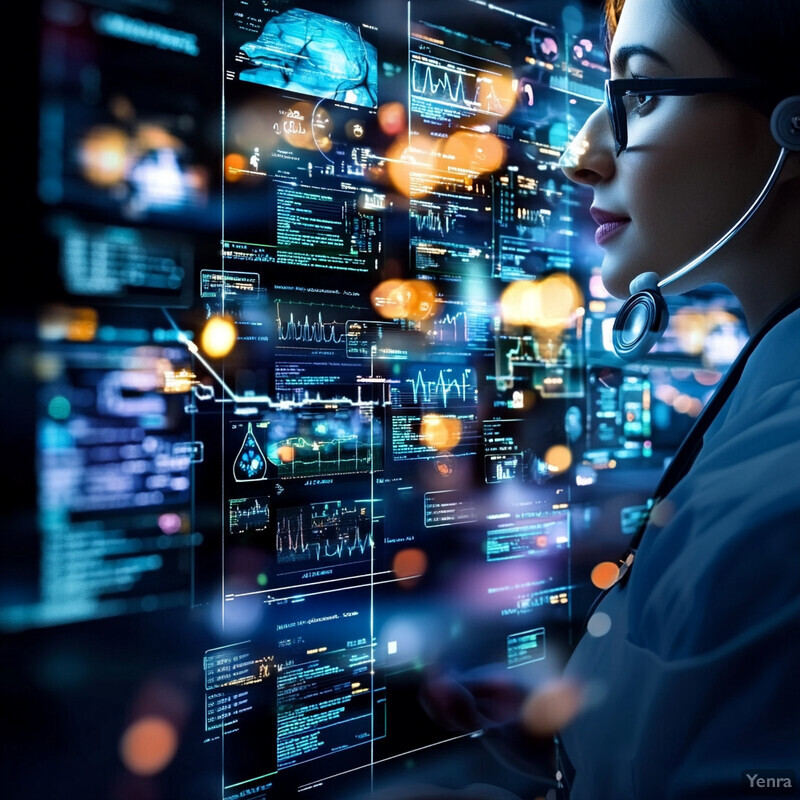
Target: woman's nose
[[589, 158]]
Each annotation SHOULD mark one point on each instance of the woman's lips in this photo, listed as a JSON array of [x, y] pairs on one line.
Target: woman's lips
[[607, 230], [608, 224]]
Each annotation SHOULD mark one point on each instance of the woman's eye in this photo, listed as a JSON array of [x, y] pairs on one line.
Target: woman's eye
[[640, 103]]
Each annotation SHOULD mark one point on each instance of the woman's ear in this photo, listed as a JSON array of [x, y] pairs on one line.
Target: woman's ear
[[785, 123]]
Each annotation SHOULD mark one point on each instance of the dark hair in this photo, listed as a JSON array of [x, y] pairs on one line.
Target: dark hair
[[757, 38]]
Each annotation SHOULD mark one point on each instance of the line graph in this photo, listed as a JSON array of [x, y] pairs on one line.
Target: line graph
[[332, 531], [432, 221], [303, 445], [297, 455], [308, 332], [247, 404], [437, 388], [468, 89], [248, 515], [451, 328]]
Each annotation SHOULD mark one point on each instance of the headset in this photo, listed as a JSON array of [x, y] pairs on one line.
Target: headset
[[643, 317]]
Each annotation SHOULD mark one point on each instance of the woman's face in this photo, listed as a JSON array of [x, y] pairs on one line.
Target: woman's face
[[692, 166]]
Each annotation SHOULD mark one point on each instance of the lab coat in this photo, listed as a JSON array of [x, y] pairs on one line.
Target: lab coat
[[697, 681]]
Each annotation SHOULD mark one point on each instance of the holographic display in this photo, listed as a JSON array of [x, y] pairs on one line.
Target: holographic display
[[310, 395]]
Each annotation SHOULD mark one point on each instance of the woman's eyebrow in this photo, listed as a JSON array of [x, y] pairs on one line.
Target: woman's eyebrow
[[625, 53]]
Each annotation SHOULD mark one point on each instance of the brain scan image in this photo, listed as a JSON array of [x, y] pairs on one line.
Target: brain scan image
[[314, 54]]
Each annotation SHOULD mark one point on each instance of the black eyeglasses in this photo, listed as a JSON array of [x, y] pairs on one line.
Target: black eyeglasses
[[626, 94]]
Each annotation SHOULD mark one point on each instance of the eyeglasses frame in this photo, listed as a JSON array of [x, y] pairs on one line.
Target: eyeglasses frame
[[616, 89]]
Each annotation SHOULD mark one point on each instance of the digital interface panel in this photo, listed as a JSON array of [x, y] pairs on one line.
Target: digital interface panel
[[337, 385]]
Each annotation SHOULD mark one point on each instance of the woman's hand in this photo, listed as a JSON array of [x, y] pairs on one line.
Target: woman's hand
[[472, 701]]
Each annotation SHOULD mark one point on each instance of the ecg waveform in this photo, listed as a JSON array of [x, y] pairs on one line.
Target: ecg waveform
[[441, 389], [317, 332], [449, 86], [323, 531]]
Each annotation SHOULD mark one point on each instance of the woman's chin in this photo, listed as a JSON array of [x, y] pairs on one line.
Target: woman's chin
[[616, 278]]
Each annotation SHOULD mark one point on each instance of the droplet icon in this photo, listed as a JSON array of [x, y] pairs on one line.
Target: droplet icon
[[250, 464]]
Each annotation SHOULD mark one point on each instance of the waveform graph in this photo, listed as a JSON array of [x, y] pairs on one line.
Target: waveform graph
[[248, 515], [298, 327], [431, 221], [302, 381], [441, 388], [308, 444], [328, 534], [248, 560], [451, 328], [439, 220], [468, 88], [444, 83]]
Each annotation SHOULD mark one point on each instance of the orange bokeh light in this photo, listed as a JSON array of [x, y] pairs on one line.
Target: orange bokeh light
[[104, 155], [515, 300], [420, 299], [387, 299], [412, 168], [441, 433], [605, 574], [473, 152], [399, 299], [234, 164], [693, 327], [286, 454], [682, 404], [558, 458], [392, 118], [299, 127], [72, 324], [409, 565], [148, 745], [561, 298], [218, 336], [155, 137], [551, 303]]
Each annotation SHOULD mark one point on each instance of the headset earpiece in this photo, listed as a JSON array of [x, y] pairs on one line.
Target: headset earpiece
[[785, 123], [642, 319]]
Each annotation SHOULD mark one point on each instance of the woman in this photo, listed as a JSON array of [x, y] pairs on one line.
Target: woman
[[691, 691]]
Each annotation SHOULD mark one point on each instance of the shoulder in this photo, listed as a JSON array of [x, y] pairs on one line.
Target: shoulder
[[759, 427], [720, 557], [773, 367]]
